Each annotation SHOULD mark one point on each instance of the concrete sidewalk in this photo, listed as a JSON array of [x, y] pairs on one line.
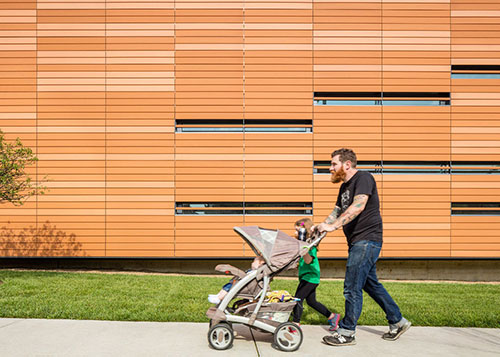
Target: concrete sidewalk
[[32, 337]]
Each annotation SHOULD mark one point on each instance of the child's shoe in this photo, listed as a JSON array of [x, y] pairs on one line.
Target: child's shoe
[[334, 322], [214, 299], [293, 329]]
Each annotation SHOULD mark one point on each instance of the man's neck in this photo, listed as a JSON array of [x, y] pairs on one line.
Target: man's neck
[[350, 174]]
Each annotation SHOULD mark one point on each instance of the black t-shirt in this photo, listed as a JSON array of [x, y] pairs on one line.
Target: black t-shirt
[[368, 225]]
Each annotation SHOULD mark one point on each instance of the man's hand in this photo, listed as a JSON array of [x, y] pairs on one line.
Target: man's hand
[[324, 227]]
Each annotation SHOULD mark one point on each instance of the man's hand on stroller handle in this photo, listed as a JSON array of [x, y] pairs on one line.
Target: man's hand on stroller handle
[[316, 238], [323, 228]]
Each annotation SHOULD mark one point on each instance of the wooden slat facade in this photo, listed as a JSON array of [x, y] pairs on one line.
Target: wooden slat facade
[[137, 107]]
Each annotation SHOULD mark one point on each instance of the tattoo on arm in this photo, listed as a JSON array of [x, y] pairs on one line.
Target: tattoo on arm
[[333, 216], [357, 206]]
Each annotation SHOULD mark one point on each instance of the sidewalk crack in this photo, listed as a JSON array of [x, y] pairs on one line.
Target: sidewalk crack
[[12, 323], [255, 343]]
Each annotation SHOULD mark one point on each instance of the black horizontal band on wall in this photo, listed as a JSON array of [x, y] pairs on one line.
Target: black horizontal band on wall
[[381, 94], [475, 67], [243, 208], [243, 125], [480, 212], [475, 204], [243, 204], [475, 208], [243, 121], [322, 167], [420, 167], [382, 99]]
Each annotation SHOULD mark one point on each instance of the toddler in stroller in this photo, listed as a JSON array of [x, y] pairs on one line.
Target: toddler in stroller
[[279, 252], [216, 299]]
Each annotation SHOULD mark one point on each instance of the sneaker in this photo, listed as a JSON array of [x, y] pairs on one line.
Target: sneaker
[[214, 299], [334, 322], [395, 331], [337, 339]]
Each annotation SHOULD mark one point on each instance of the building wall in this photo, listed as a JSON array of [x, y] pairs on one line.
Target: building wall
[[163, 124]]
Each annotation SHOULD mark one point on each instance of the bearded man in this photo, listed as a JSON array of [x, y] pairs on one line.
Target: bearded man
[[358, 211]]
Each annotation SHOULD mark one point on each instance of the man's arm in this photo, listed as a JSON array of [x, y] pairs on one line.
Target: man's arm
[[332, 217], [357, 206]]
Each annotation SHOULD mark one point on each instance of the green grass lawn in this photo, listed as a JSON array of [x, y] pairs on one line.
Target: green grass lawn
[[129, 297]]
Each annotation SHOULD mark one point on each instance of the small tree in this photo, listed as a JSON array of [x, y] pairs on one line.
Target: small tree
[[15, 185]]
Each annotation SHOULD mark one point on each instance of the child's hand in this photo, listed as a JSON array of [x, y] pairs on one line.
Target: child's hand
[[304, 250], [307, 258]]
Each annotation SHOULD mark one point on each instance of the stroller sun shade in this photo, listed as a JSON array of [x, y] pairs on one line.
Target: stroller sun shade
[[276, 247]]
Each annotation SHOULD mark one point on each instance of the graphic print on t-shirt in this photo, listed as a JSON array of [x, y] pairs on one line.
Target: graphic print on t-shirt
[[368, 224], [345, 200]]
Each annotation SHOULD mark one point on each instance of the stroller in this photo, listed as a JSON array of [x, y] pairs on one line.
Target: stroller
[[280, 252]]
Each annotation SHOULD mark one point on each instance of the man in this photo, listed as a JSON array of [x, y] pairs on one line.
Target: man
[[357, 211]]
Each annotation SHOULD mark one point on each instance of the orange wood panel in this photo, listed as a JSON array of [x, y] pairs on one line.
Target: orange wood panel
[[65, 93], [283, 173], [140, 153], [475, 236], [348, 127], [433, 143], [209, 63], [416, 58], [278, 61], [190, 233], [18, 227], [201, 175], [347, 43], [411, 220]]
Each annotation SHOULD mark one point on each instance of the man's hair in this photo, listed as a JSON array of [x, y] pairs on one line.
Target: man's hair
[[346, 155]]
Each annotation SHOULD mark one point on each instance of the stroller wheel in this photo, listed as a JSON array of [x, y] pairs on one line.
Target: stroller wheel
[[288, 337], [221, 336]]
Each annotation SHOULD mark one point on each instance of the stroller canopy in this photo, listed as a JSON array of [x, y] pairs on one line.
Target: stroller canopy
[[276, 247]]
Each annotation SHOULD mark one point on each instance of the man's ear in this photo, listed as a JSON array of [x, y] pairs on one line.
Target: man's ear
[[348, 165]]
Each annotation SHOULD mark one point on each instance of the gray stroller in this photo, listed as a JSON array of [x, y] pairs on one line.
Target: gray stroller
[[252, 308]]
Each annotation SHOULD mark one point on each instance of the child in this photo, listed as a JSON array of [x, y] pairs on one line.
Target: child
[[309, 274], [216, 299]]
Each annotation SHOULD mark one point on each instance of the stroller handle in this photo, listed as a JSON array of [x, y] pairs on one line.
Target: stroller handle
[[317, 237]]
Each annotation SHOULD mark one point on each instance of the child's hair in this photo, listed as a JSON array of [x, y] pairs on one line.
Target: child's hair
[[258, 261], [307, 224]]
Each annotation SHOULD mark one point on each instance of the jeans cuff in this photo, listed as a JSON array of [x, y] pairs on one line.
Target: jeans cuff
[[344, 332], [398, 324]]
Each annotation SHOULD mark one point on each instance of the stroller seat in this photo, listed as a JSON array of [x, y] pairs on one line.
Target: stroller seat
[[251, 290]]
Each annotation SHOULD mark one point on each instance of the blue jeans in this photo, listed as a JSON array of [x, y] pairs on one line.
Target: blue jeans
[[361, 275]]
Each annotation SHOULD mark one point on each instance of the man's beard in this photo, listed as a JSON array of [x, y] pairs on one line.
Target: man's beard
[[338, 176]]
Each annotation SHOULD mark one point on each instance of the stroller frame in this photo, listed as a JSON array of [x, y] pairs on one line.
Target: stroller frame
[[287, 335], [251, 321]]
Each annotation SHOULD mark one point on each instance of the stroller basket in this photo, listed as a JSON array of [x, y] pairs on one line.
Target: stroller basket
[[273, 313]]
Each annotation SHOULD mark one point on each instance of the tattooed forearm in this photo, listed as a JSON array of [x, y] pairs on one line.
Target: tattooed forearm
[[357, 206], [333, 221], [332, 217]]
